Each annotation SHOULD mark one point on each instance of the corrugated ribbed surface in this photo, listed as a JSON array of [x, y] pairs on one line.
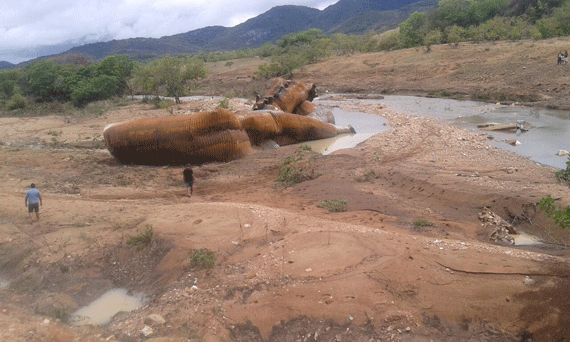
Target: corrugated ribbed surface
[[178, 140], [292, 96]]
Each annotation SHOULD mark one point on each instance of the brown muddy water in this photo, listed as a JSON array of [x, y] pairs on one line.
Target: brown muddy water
[[102, 310]]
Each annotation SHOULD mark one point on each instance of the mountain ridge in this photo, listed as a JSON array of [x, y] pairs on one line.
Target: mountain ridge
[[345, 16]]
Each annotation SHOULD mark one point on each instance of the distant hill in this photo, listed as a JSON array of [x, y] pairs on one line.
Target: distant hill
[[6, 65], [346, 16]]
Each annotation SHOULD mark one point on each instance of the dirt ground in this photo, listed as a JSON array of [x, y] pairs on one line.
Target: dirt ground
[[409, 260]]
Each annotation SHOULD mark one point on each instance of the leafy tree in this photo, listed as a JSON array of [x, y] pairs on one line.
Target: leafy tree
[[481, 11], [535, 9], [454, 11], [17, 101], [171, 73], [454, 34], [120, 66], [300, 38], [413, 30], [42, 77], [94, 89], [389, 40], [562, 16], [266, 50], [432, 37]]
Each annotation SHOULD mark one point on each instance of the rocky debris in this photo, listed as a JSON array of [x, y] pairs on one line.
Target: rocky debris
[[493, 126], [57, 305], [562, 153], [513, 142], [521, 125], [528, 281], [147, 331], [500, 229], [154, 319]]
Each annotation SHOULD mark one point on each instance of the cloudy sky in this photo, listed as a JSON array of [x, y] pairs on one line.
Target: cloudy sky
[[27, 27]]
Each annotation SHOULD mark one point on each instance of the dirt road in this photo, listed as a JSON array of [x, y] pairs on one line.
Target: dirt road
[[408, 261]]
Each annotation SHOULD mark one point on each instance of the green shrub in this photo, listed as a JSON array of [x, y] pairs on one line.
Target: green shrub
[[203, 259], [17, 101], [422, 223], [368, 176], [335, 206], [559, 214], [225, 103], [141, 239], [564, 175], [292, 172]]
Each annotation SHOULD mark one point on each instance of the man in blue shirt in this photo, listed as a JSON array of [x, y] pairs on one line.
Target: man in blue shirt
[[33, 201]]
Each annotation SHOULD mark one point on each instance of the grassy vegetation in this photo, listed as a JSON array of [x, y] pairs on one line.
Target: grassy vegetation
[[422, 223], [367, 177], [202, 259], [296, 169], [560, 215], [142, 238], [335, 206], [564, 175]]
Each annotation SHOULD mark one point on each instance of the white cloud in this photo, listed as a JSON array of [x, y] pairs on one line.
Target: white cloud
[[28, 24]]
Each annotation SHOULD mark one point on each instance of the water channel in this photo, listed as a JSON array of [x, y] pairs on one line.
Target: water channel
[[549, 135]]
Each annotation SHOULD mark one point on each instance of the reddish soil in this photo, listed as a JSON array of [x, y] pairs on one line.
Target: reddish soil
[[409, 260]]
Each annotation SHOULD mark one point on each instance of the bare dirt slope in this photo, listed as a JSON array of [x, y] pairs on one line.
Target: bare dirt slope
[[522, 71], [408, 261]]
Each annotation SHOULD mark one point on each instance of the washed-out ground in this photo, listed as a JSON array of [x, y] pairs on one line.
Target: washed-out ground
[[409, 259]]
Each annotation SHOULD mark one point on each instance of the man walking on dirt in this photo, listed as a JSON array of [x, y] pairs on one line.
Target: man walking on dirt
[[189, 180], [33, 201]]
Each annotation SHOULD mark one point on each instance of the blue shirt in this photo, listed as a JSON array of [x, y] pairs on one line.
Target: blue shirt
[[33, 196]]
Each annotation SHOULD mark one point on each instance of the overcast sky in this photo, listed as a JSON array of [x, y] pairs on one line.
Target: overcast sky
[[27, 25]]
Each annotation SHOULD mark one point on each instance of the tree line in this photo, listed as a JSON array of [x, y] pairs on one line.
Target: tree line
[[73, 79]]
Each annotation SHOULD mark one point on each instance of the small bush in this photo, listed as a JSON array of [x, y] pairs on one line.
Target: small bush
[[422, 223], [225, 103], [335, 206], [17, 102], [141, 239], [368, 176], [292, 172], [559, 214], [203, 259], [564, 175]]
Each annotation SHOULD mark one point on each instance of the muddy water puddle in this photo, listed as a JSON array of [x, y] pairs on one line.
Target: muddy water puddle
[[549, 134], [524, 239], [100, 311]]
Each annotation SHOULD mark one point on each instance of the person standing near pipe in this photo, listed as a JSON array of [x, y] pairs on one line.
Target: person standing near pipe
[[189, 180]]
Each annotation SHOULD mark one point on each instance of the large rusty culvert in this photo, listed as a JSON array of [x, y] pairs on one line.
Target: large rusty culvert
[[288, 117], [178, 140], [218, 135]]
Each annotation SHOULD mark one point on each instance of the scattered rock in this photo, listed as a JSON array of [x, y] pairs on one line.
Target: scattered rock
[[154, 319], [499, 228], [528, 280], [147, 331], [562, 153], [513, 142]]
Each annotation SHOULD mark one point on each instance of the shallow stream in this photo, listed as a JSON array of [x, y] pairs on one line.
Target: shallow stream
[[549, 135]]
